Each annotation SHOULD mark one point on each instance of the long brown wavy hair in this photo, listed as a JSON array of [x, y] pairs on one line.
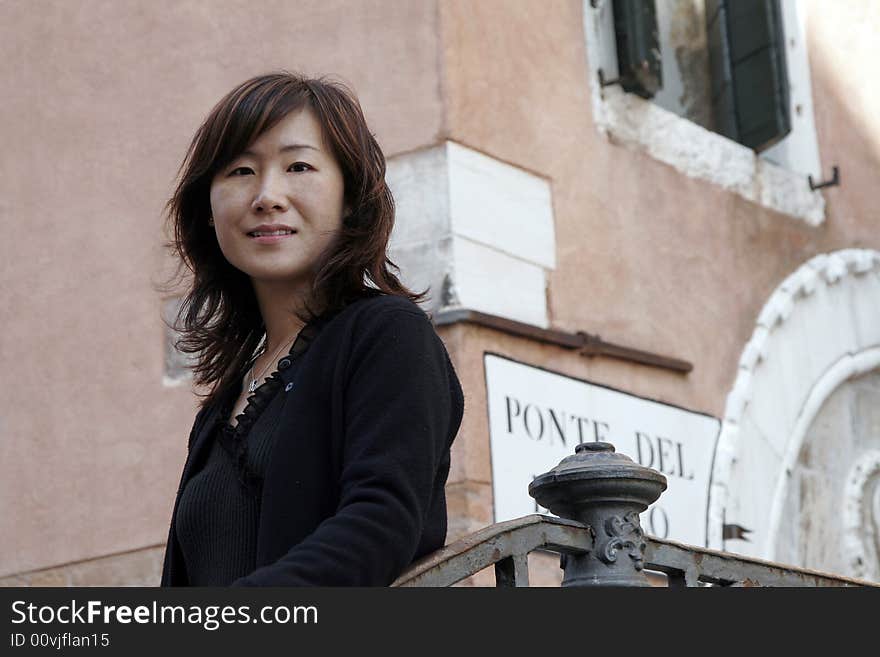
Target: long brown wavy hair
[[219, 320]]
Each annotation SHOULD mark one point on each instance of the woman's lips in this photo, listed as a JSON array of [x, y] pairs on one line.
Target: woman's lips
[[270, 239]]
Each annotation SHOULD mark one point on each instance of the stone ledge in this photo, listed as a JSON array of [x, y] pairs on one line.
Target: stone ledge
[[138, 568], [696, 152]]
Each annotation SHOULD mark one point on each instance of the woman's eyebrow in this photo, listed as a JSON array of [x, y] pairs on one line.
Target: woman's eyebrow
[[285, 149], [296, 147]]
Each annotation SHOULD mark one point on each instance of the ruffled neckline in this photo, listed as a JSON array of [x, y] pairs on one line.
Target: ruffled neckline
[[262, 394], [234, 438]]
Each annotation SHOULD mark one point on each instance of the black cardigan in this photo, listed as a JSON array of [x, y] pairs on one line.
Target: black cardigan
[[354, 491]]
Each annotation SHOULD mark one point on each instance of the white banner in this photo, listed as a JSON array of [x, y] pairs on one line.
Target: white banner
[[537, 417]]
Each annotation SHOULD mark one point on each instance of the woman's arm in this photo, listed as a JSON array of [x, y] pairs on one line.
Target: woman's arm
[[402, 409], [176, 575]]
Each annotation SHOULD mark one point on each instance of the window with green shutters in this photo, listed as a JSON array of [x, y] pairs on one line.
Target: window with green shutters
[[718, 89], [746, 77], [747, 67], [638, 47]]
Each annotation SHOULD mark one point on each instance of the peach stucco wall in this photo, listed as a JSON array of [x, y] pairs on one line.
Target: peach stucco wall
[[103, 97], [646, 256], [100, 101]]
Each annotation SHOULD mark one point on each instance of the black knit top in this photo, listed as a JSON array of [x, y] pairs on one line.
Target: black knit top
[[219, 509], [354, 488]]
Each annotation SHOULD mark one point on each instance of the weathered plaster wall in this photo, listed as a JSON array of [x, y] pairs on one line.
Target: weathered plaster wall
[[814, 531], [647, 256], [687, 89], [106, 98], [846, 96], [820, 328]]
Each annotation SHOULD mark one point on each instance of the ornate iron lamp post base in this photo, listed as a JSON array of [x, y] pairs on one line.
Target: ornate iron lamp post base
[[606, 491]]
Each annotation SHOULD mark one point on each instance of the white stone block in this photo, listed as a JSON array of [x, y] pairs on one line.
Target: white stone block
[[494, 282], [501, 206], [725, 457], [772, 312], [759, 339], [425, 265], [835, 268], [751, 355], [752, 484], [865, 316], [862, 260], [477, 231], [788, 192], [419, 182], [801, 350], [738, 398], [802, 282], [828, 316], [781, 386]]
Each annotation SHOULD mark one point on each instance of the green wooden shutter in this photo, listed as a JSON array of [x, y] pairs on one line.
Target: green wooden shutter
[[750, 100], [638, 47]]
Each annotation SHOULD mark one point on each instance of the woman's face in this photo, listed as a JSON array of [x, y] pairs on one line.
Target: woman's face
[[280, 202]]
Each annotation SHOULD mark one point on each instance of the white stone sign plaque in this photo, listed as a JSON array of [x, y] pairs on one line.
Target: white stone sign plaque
[[537, 417]]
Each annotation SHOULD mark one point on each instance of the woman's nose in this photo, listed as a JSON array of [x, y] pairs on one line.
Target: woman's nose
[[270, 197]]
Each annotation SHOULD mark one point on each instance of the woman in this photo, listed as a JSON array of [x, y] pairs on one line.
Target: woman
[[319, 455]]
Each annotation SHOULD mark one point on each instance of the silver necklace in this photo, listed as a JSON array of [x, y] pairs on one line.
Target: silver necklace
[[253, 381]]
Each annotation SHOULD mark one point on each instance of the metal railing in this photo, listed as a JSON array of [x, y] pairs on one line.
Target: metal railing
[[506, 545], [599, 539]]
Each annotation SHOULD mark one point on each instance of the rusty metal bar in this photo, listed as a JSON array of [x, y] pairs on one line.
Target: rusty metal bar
[[601, 493], [725, 569], [507, 544], [512, 571], [585, 343], [495, 543]]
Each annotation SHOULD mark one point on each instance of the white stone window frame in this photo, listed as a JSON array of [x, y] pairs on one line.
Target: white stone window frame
[[776, 179]]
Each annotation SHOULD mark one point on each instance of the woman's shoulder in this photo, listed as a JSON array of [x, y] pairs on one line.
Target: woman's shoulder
[[379, 319], [377, 306]]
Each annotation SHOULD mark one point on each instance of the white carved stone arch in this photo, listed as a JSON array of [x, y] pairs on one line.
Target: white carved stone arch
[[818, 329]]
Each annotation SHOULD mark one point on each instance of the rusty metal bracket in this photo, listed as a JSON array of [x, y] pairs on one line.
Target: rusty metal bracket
[[737, 532], [584, 343], [834, 182], [594, 345], [606, 83]]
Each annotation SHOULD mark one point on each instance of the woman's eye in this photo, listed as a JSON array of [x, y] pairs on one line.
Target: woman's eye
[[241, 171], [300, 167]]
